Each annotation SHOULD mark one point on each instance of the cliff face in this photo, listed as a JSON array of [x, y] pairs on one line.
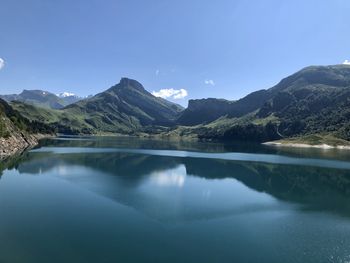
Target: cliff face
[[204, 111], [16, 143]]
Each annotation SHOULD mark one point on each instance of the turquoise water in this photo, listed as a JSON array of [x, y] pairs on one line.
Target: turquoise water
[[133, 200]]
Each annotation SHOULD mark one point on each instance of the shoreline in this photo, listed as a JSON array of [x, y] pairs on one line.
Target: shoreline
[[323, 146], [14, 145], [17, 144]]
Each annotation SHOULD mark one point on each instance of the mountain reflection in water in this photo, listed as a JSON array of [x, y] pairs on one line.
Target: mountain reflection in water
[[121, 176]]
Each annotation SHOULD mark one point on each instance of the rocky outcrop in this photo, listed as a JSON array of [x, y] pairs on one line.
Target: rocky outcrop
[[17, 142], [204, 111]]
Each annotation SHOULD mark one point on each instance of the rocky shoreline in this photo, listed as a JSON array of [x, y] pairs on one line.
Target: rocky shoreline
[[17, 143], [305, 145]]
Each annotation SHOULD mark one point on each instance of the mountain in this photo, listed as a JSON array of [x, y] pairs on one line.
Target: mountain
[[315, 100], [204, 111], [207, 110], [42, 99], [124, 108], [314, 79], [70, 98], [17, 132]]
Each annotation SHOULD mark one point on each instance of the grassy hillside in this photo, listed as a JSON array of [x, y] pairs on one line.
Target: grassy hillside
[[59, 120], [127, 105], [202, 111], [10, 119], [126, 108], [315, 100]]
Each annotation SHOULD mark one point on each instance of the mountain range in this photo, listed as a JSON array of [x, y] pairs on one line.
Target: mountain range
[[125, 108], [43, 98], [315, 101]]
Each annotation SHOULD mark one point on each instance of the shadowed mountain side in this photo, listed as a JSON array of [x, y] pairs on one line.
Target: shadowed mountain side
[[202, 111], [314, 100], [315, 80]]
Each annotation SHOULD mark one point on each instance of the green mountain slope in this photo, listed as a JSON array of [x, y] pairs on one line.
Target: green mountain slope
[[126, 104], [17, 132], [125, 108], [208, 110], [11, 120], [315, 100], [314, 80]]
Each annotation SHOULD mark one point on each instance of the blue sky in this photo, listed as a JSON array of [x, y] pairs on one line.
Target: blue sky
[[223, 48]]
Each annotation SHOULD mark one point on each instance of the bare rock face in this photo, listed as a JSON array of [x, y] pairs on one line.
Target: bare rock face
[[17, 142], [204, 111]]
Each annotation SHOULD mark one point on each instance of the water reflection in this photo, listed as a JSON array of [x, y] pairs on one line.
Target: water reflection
[[212, 147], [84, 205], [137, 180], [170, 177]]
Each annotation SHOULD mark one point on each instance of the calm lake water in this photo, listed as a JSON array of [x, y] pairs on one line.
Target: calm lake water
[[132, 200]]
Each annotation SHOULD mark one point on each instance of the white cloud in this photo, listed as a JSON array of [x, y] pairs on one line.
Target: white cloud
[[171, 93], [346, 62], [209, 82], [157, 72], [65, 94], [2, 63], [181, 94]]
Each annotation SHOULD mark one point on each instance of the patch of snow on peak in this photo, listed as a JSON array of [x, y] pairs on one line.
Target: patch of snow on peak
[[65, 94]]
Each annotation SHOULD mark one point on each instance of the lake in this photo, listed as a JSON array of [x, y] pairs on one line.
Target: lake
[[138, 200]]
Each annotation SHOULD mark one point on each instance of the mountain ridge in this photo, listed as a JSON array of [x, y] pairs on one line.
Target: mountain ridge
[[41, 98], [314, 100], [124, 108], [306, 76]]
